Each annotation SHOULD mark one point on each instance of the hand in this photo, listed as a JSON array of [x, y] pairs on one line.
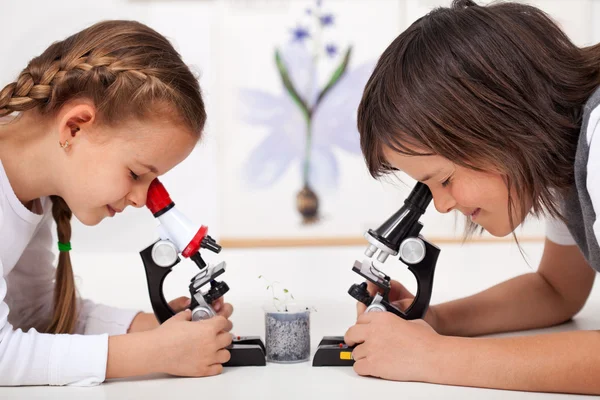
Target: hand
[[147, 321], [390, 347], [401, 298], [187, 348], [219, 305]]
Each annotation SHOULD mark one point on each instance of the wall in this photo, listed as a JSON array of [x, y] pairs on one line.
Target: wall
[[199, 30]]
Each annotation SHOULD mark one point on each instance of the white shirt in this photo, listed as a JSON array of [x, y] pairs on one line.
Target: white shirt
[[27, 261], [556, 230]]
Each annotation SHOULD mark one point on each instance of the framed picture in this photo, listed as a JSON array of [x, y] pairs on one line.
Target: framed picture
[[292, 78]]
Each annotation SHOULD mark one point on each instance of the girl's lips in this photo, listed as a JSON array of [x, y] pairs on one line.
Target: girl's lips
[[474, 214], [111, 211]]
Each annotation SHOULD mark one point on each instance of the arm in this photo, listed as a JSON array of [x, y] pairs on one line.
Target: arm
[[553, 294], [34, 358], [33, 307], [396, 349], [563, 362]]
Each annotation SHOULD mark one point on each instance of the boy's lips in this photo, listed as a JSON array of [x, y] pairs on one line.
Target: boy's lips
[[474, 214]]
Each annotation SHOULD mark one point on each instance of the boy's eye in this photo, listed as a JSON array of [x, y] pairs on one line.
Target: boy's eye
[[447, 182], [133, 175]]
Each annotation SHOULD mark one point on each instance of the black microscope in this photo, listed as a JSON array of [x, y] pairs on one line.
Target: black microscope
[[178, 236], [398, 235]]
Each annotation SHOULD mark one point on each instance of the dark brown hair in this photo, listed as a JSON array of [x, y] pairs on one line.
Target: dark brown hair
[[499, 86], [127, 70]]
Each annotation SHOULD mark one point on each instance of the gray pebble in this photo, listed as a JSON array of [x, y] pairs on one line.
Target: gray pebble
[[287, 336]]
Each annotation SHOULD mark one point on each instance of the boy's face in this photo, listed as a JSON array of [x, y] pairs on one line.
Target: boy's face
[[110, 168], [481, 196]]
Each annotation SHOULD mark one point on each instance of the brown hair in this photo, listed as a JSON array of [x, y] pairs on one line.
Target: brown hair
[[127, 70], [497, 86]]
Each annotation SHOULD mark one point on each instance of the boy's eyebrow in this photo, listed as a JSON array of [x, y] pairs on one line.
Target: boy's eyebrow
[[428, 177]]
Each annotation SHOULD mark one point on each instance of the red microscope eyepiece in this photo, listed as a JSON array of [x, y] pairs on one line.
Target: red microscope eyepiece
[[158, 199]]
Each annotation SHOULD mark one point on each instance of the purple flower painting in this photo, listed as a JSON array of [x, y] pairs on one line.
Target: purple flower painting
[[311, 117]]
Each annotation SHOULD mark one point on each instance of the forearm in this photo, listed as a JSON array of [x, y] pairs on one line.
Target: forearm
[[143, 322], [131, 355], [524, 302], [561, 362]]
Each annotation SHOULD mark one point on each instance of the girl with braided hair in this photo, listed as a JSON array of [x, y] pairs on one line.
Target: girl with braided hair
[[497, 112], [87, 126]]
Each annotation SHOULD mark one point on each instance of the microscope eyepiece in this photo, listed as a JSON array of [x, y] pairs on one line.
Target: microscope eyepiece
[[404, 221]]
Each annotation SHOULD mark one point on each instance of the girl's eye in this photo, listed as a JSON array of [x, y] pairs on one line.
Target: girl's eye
[[133, 175], [447, 182]]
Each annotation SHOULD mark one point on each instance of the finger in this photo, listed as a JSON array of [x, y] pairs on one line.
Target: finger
[[366, 318], [223, 356], [398, 291], [226, 310], [419, 322], [221, 324], [224, 339], [360, 308], [372, 288], [180, 303], [185, 315], [215, 369], [403, 304], [218, 304], [362, 367], [359, 352], [355, 334]]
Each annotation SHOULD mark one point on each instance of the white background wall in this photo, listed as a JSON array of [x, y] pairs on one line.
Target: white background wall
[[105, 258], [188, 25], [196, 29]]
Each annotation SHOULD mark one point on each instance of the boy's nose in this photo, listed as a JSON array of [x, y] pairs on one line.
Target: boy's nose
[[444, 202]]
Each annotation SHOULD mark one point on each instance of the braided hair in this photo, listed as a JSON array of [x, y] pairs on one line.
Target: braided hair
[[128, 70]]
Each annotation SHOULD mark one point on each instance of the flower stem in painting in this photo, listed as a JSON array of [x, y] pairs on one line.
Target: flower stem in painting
[[307, 200]]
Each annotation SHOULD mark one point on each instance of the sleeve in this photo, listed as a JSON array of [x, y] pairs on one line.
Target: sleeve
[[98, 318], [557, 232], [593, 167], [35, 270], [34, 358]]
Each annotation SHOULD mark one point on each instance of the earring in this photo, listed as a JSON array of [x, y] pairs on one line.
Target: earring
[[65, 144]]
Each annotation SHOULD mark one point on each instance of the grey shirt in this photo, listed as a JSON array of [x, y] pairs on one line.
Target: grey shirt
[[583, 199]]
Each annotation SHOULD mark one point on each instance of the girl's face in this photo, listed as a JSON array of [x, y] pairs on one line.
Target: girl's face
[[481, 196], [107, 168]]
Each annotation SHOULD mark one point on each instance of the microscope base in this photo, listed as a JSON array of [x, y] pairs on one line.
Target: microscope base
[[333, 352], [246, 351]]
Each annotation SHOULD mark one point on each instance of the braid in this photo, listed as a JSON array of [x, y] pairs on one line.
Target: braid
[[22, 95], [34, 86], [65, 298], [127, 70], [123, 67]]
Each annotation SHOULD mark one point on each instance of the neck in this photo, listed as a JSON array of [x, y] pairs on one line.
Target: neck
[[28, 157]]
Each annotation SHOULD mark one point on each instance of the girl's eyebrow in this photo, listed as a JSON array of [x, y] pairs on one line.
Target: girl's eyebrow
[[150, 167]]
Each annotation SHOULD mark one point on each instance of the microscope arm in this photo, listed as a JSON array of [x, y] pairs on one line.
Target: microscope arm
[[155, 276], [423, 272]]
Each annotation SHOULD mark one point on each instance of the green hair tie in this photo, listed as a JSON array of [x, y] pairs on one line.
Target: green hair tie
[[64, 246]]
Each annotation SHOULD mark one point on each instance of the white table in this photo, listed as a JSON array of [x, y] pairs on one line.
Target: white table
[[320, 277]]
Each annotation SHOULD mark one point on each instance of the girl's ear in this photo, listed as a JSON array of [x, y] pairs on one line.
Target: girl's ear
[[74, 119]]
